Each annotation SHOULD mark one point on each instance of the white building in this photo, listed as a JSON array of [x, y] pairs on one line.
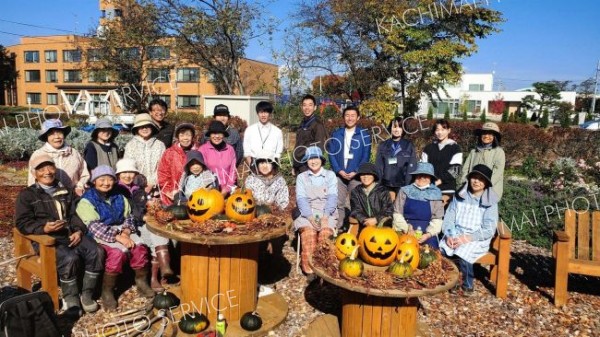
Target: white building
[[476, 91]]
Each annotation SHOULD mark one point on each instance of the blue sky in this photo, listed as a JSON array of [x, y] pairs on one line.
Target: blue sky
[[540, 40]]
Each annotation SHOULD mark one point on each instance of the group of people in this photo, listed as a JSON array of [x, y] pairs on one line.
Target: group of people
[[94, 203]]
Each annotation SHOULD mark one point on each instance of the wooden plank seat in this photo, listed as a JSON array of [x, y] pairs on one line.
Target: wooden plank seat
[[498, 258], [576, 250], [42, 265]]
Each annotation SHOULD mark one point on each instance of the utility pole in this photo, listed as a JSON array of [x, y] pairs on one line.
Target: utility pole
[[593, 108]]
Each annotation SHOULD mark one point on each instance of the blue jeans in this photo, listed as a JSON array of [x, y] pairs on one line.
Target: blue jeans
[[466, 270]]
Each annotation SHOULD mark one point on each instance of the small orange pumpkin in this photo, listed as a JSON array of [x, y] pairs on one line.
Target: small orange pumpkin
[[378, 245], [241, 206], [408, 238], [409, 253], [345, 245], [204, 204]]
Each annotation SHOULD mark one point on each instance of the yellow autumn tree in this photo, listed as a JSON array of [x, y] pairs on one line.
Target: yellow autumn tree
[[382, 106]]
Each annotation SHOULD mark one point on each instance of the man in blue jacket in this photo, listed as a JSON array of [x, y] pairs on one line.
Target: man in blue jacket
[[348, 147]]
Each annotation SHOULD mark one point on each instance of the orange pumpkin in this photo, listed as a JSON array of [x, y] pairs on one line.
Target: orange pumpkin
[[378, 245], [240, 205], [409, 253], [345, 245], [408, 238], [204, 204]]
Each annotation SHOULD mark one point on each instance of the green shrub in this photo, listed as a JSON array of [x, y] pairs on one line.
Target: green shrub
[[430, 112], [505, 115], [483, 117], [544, 121], [447, 114]]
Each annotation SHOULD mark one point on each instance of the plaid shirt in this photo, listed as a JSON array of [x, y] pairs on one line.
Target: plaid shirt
[[107, 233]]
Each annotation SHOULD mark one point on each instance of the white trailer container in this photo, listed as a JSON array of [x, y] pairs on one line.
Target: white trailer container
[[241, 106]]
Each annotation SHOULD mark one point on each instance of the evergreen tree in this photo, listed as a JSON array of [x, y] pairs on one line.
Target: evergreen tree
[[447, 113], [430, 113], [544, 120], [483, 116], [465, 117], [505, 115]]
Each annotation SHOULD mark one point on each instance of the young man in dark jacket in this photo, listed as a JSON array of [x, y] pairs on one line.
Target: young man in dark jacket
[[47, 207], [371, 201], [311, 132]]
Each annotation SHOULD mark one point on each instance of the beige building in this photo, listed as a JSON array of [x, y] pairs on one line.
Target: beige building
[[54, 70]]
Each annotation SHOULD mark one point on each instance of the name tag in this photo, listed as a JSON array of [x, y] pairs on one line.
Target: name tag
[[392, 160], [350, 156]]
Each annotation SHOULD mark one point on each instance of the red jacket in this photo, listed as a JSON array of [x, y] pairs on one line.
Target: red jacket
[[170, 169]]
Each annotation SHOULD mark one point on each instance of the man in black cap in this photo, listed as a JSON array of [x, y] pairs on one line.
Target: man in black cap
[[221, 114]]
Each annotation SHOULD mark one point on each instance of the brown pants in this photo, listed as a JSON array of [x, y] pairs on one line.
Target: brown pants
[[310, 238]]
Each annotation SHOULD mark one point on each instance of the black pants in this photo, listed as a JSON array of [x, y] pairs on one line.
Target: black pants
[[69, 259]]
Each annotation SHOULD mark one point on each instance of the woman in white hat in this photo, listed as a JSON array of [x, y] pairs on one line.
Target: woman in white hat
[[489, 153], [146, 150], [71, 169], [267, 184]]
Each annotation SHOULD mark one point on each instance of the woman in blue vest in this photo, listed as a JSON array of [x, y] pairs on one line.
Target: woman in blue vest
[[419, 207]]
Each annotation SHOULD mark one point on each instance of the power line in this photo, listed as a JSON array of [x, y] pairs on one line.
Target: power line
[[43, 27]]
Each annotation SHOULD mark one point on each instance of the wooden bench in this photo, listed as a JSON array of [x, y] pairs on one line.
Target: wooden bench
[[576, 250], [498, 258], [42, 265]]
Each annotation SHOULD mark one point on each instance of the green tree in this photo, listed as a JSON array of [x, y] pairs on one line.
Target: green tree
[[120, 52], [382, 106], [8, 72], [430, 112], [465, 116], [564, 111], [215, 34], [447, 113], [505, 115], [370, 41], [549, 94], [545, 119], [483, 116]]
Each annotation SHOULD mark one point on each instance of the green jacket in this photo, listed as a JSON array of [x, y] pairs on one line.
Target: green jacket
[[493, 158]]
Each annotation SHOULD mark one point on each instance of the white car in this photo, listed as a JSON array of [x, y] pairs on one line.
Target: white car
[[591, 125]]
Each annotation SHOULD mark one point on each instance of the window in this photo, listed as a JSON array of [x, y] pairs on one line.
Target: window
[[118, 13], [158, 53], [188, 75], [51, 56], [32, 57], [94, 55], [32, 75], [72, 76], [129, 53], [166, 98], [52, 99], [51, 76], [475, 87], [188, 101], [158, 75], [474, 106], [72, 55], [100, 76], [34, 98], [210, 77], [130, 76], [72, 97], [450, 105]]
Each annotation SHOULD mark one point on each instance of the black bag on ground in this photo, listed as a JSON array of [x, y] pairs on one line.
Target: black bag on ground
[[24, 314]]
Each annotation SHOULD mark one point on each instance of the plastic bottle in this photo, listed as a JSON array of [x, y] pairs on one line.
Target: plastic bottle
[[418, 233], [221, 325]]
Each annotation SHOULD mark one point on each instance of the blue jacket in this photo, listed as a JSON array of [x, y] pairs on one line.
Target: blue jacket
[[360, 147]]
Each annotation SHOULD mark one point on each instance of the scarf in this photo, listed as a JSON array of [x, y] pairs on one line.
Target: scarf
[[428, 193], [110, 214]]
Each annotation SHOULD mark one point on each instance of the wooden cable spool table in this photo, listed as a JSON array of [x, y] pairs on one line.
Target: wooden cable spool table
[[219, 274], [368, 312]]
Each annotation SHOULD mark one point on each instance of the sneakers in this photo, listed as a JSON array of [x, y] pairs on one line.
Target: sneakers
[[464, 291]]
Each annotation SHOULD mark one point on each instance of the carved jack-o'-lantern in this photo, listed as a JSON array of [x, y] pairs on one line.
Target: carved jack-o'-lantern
[[204, 204], [345, 245], [378, 245], [409, 253], [240, 205]]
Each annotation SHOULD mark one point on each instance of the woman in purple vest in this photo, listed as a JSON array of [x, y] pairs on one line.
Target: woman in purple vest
[[418, 207]]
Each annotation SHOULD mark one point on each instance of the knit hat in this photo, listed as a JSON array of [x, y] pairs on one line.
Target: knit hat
[[489, 126], [368, 168], [36, 161], [217, 127], [52, 124], [483, 170], [141, 120], [424, 168], [102, 170], [103, 124], [221, 110], [194, 155], [313, 152], [126, 165], [185, 126]]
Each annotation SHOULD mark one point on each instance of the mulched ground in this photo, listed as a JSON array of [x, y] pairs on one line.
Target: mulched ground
[[527, 311]]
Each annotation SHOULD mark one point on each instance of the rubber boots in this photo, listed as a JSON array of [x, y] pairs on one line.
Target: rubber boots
[[141, 281], [90, 281], [154, 280], [70, 293], [108, 293], [164, 260]]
